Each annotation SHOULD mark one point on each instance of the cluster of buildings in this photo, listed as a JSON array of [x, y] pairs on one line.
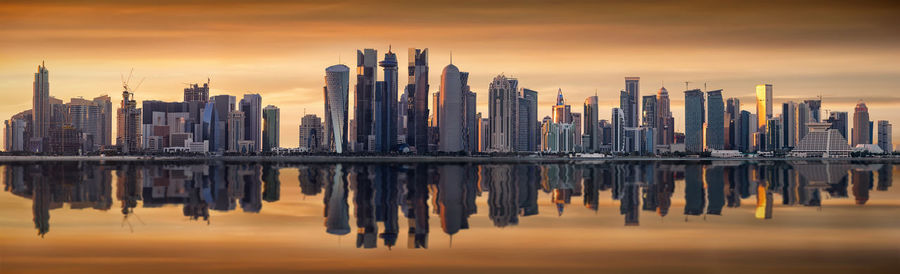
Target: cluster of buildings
[[200, 123], [385, 120]]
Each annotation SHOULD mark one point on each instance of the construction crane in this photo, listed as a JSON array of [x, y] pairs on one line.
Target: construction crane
[[125, 82]]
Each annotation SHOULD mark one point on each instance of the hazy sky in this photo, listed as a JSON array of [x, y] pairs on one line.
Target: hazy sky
[[843, 51]]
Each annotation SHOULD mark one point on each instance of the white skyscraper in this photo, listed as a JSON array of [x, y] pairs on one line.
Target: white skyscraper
[[337, 90]]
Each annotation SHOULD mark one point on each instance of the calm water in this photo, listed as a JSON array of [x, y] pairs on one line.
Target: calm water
[[623, 217]]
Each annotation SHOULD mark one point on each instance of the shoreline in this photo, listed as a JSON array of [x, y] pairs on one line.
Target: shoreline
[[325, 159]]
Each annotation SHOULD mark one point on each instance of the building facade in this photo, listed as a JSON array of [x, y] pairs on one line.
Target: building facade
[[271, 128]]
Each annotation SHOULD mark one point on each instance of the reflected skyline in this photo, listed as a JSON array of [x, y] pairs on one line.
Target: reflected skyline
[[378, 194]]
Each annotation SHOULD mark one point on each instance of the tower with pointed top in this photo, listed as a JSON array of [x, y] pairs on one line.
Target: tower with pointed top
[[40, 111]]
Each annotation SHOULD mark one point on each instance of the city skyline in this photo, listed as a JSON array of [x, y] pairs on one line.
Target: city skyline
[[289, 75]]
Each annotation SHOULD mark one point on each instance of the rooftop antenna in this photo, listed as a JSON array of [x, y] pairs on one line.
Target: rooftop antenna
[[451, 57], [686, 85], [389, 48], [704, 86]]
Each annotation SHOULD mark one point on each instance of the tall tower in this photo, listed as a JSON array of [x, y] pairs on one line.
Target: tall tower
[[40, 111], [715, 127], [629, 104], [591, 128], [251, 106], [417, 97], [861, 125], [503, 110], [694, 119], [271, 128], [763, 105], [387, 110], [666, 123], [337, 84], [451, 124], [363, 113]]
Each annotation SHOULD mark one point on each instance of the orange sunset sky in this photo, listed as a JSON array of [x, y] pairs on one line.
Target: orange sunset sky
[[845, 51]]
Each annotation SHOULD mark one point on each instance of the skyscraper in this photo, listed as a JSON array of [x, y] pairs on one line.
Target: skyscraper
[[104, 128], [789, 124], [417, 96], [665, 123], [591, 127], [618, 130], [732, 123], [628, 101], [451, 111], [694, 119], [503, 107], [803, 119], [763, 104], [337, 83], [884, 136], [715, 126], [311, 133], [839, 121], [363, 113], [815, 106], [528, 124], [235, 130], [649, 107], [861, 125], [40, 110], [470, 111], [196, 93], [272, 127], [745, 131], [128, 124], [251, 106], [386, 110], [576, 128]]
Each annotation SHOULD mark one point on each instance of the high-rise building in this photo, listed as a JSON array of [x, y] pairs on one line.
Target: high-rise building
[[789, 125], [628, 101], [815, 113], [649, 106], [694, 119], [417, 96], [40, 110], [774, 134], [311, 132], [591, 127], [665, 123], [732, 123], [576, 128], [15, 135], [363, 112], [251, 106], [224, 105], [839, 120], [763, 104], [471, 121], [528, 126], [337, 83], [803, 119], [884, 136], [618, 130], [235, 130], [128, 133], [197, 93], [386, 106], [484, 132], [744, 132], [862, 132], [272, 126], [715, 126], [451, 111], [104, 127], [503, 108]]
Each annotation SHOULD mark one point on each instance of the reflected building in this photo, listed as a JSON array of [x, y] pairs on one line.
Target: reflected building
[[337, 217]]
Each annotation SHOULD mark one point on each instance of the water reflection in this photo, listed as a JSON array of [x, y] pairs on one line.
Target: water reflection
[[381, 193]]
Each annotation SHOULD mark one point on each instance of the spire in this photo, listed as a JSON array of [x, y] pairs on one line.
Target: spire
[[389, 48], [451, 57], [559, 98]]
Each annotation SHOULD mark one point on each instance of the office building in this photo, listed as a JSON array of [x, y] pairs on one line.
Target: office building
[[271, 131], [40, 110], [591, 135], [14, 134], [694, 120], [763, 105], [363, 112], [839, 120], [528, 126], [128, 124], [311, 133], [503, 107], [618, 130], [197, 93], [774, 134], [803, 119], [337, 82], [862, 126], [386, 105], [576, 128], [715, 126], [235, 131], [732, 123], [884, 136], [628, 101], [452, 123], [417, 95], [789, 125], [470, 110], [815, 112], [251, 106]]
